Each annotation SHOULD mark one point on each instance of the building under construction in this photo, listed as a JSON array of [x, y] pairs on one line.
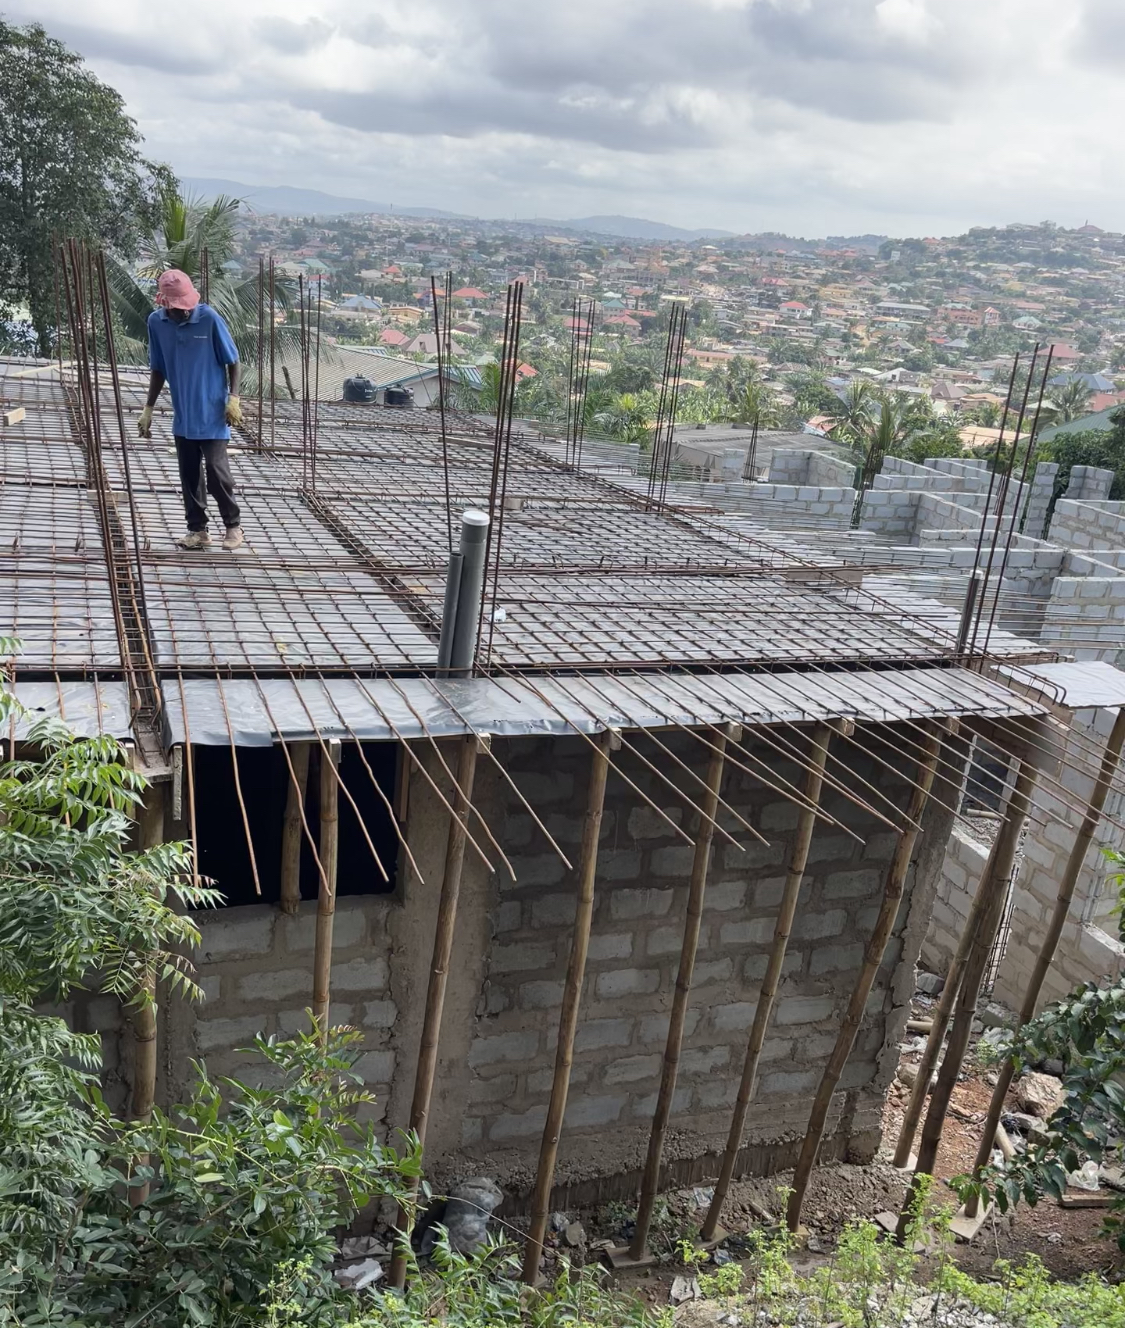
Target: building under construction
[[614, 895]]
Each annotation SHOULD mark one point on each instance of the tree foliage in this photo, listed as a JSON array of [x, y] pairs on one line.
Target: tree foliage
[[70, 165]]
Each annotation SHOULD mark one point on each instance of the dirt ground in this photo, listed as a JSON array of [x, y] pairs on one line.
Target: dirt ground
[[1067, 1240]]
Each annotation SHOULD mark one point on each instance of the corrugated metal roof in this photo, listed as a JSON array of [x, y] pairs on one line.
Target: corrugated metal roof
[[383, 709]]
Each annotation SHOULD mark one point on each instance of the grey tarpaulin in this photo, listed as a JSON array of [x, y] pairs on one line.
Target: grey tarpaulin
[[87, 708], [381, 709], [1075, 684]]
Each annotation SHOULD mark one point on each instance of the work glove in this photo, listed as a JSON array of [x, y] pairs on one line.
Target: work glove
[[144, 424], [234, 411]]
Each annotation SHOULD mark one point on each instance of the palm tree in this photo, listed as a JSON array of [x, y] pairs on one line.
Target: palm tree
[[1071, 400], [755, 403], [853, 411], [191, 234], [627, 418]]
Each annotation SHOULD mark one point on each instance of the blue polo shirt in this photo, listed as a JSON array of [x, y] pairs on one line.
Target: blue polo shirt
[[193, 356]]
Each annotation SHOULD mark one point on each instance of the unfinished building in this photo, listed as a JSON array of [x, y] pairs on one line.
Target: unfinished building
[[691, 766]]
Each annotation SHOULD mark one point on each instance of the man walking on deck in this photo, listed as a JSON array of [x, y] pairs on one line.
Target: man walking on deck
[[191, 349]]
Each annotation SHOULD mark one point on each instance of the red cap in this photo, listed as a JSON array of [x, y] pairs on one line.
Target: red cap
[[175, 291]]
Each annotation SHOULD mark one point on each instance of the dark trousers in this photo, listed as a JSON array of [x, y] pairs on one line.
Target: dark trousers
[[193, 454]]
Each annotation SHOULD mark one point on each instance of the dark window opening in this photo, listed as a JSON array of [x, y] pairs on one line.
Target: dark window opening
[[264, 778]]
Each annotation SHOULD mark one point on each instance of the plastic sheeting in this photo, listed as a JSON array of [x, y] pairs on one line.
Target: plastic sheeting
[[1075, 684], [253, 713], [88, 708]]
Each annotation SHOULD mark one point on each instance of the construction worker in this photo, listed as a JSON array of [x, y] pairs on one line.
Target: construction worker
[[191, 349]]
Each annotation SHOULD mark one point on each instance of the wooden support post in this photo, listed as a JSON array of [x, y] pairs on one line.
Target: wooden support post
[[872, 958], [326, 897], [798, 858], [997, 872], [439, 972], [150, 833], [1065, 896], [650, 1181], [572, 993], [291, 828]]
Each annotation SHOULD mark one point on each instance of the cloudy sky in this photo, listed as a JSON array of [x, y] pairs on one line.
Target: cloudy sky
[[814, 117]]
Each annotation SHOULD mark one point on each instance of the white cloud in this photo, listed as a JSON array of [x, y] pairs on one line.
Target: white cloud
[[810, 116]]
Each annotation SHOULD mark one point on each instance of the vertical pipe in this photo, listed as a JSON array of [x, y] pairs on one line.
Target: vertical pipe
[[1110, 757], [439, 973], [872, 957], [568, 1016], [474, 532], [326, 896], [291, 828], [449, 611], [150, 833], [650, 1181], [798, 859], [997, 870]]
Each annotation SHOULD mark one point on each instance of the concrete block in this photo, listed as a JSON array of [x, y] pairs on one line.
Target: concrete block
[[767, 892], [521, 1045], [554, 910], [211, 986], [297, 1021], [630, 1069], [715, 1093], [754, 969], [279, 984], [235, 933], [497, 1088], [361, 974], [613, 945], [733, 1018], [522, 956], [349, 927], [778, 816], [540, 1081], [540, 995], [211, 1034], [752, 931], [753, 855], [712, 970], [508, 915], [543, 869], [518, 1124], [725, 895], [703, 1060], [627, 982], [628, 905], [376, 1067], [851, 884], [789, 1083], [619, 865], [544, 786], [593, 1034], [472, 1130], [815, 926], [665, 940], [675, 860], [379, 1014], [835, 958], [643, 1108], [832, 848], [803, 1009], [644, 823], [654, 1027]]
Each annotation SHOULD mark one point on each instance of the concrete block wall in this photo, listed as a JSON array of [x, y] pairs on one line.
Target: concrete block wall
[[1089, 483], [1038, 503], [796, 466], [960, 874], [1088, 948], [634, 953], [1084, 524], [1085, 616]]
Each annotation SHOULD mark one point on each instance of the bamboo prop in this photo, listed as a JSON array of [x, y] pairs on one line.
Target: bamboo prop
[[439, 973], [291, 828], [150, 827], [697, 887], [872, 958], [326, 896], [568, 1016], [767, 993], [997, 870], [1050, 942]]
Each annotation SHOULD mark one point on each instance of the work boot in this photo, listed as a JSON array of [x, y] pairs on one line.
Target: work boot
[[233, 538], [195, 539]]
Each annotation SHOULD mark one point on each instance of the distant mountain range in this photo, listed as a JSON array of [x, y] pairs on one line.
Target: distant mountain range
[[628, 228], [283, 200]]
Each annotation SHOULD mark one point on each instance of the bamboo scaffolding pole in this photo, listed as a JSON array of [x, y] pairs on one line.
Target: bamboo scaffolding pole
[[1065, 896], [291, 827], [568, 1015], [873, 956], [326, 896], [996, 872], [439, 973], [697, 886], [150, 833], [767, 994]]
